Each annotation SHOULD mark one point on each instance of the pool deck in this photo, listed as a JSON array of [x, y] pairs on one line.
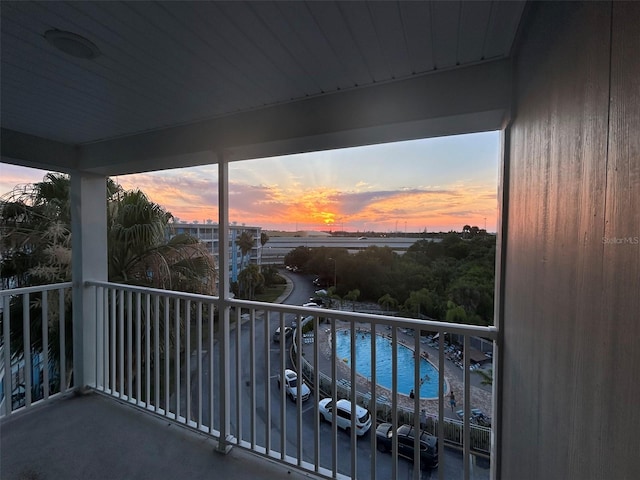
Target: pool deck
[[480, 394]]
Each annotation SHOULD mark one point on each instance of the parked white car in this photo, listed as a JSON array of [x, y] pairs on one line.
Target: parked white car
[[343, 415], [292, 386], [277, 334]]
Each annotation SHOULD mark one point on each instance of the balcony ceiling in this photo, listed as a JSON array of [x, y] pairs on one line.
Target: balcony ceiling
[[195, 69]]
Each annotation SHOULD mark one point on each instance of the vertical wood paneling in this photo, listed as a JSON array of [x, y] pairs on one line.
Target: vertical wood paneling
[[571, 309], [621, 288]]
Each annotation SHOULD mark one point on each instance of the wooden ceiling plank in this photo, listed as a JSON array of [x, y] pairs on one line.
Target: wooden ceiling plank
[[314, 76], [271, 80], [390, 30], [339, 36], [366, 37], [416, 17], [294, 79], [301, 20], [446, 17], [474, 19], [503, 26]]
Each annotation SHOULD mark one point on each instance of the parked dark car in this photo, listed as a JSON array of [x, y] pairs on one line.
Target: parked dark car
[[406, 435]]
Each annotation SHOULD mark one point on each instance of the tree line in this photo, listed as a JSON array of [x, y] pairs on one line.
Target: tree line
[[451, 280]]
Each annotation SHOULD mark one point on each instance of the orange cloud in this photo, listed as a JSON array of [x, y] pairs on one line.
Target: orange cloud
[[323, 208]]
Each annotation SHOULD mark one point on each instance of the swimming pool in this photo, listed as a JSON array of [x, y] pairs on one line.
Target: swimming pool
[[405, 365]]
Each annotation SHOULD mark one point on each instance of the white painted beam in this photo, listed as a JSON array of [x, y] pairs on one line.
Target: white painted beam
[[464, 100], [37, 152]]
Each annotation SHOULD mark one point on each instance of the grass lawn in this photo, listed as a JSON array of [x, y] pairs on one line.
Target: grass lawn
[[271, 293]]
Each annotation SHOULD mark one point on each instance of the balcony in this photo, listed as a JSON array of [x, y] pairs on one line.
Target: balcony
[[180, 379]]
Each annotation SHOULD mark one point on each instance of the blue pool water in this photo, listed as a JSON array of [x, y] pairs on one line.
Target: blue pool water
[[428, 373]]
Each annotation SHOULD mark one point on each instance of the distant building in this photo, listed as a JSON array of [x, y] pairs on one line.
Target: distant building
[[208, 234]]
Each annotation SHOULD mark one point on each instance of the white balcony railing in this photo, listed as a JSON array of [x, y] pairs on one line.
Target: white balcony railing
[[179, 356], [34, 365]]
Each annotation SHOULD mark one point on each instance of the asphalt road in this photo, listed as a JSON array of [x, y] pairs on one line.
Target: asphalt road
[[260, 396]]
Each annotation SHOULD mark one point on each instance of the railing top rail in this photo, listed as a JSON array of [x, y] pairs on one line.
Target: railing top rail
[[155, 291], [37, 288], [401, 322]]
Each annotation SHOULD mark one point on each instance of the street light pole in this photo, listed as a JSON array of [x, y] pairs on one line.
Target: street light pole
[[335, 273]]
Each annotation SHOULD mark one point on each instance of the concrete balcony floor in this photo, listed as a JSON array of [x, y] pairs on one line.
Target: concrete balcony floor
[[95, 437]]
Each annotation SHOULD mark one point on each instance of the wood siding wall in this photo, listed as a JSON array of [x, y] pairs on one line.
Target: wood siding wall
[[571, 324]]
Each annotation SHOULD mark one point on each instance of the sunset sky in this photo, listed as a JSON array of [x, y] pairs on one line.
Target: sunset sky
[[439, 184]]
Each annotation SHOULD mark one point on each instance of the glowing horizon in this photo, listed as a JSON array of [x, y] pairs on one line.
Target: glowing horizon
[[438, 184]]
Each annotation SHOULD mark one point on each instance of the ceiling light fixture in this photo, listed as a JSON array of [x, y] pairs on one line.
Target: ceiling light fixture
[[72, 44]]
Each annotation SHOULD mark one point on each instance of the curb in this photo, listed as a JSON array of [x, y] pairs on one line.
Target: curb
[[288, 289]]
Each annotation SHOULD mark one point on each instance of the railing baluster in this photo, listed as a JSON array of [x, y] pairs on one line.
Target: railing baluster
[[138, 347], [238, 376], [316, 394], [167, 355], [177, 356], [199, 360], [129, 353], [105, 338], [147, 349], [334, 399], [283, 399], [187, 361], [394, 400], [45, 345], [441, 407], [298, 353], [417, 378], [353, 379], [211, 365], [224, 387], [267, 384], [373, 403], [26, 345], [63, 353], [121, 341], [99, 297], [252, 374], [156, 351], [6, 342], [467, 408], [114, 339]]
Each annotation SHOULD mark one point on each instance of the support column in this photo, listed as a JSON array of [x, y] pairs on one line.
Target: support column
[[89, 262], [224, 445], [499, 295]]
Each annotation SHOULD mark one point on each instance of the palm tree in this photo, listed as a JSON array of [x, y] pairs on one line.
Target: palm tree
[[264, 238], [245, 242], [387, 301], [35, 249], [352, 296], [140, 255], [333, 295], [35, 245], [249, 278], [487, 377]]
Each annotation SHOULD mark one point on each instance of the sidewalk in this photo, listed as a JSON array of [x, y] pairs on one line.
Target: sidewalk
[[480, 398], [287, 290]]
